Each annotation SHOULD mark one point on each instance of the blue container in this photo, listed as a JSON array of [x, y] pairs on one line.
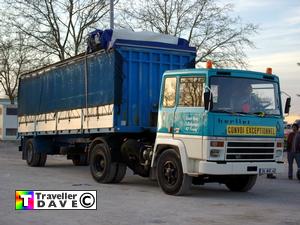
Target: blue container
[[129, 77]]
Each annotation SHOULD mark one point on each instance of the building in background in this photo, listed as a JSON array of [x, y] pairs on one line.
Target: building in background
[[8, 120]]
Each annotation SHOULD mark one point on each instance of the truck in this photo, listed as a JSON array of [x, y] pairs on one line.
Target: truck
[[142, 105], [8, 121]]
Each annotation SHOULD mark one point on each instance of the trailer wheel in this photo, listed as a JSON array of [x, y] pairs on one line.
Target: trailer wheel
[[120, 173], [170, 175], [43, 159], [33, 158], [102, 168], [80, 160], [241, 183]]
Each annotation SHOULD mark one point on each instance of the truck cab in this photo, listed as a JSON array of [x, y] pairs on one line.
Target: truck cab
[[218, 125]]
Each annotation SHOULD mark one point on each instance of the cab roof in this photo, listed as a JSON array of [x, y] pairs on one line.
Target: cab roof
[[224, 72]]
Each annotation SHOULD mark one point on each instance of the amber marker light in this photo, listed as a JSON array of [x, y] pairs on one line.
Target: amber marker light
[[279, 144], [217, 143], [269, 70], [209, 64]]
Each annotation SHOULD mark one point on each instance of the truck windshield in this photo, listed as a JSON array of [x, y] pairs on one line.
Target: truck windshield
[[244, 95]]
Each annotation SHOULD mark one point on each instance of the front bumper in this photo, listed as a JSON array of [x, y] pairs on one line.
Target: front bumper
[[235, 168]]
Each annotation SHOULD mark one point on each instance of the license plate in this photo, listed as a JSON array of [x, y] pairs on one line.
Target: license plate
[[266, 170]]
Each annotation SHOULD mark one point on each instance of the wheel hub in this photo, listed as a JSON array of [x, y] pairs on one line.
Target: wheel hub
[[170, 172], [99, 164], [102, 164], [29, 152]]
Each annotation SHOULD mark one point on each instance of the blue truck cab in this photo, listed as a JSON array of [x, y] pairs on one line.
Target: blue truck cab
[[224, 125]]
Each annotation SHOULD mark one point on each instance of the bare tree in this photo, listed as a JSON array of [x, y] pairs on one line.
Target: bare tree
[[191, 90], [58, 27], [216, 34], [15, 58]]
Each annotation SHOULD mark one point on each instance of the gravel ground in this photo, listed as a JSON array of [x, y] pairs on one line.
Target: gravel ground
[[138, 201]]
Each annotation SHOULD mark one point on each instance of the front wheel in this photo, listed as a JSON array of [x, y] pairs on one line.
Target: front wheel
[[241, 183], [170, 175]]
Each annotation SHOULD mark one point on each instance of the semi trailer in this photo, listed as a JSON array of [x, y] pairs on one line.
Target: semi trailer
[[142, 105]]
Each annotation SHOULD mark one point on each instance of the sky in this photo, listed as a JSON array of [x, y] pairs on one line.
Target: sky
[[277, 42]]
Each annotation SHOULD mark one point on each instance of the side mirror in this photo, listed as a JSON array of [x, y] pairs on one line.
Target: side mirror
[[208, 100], [287, 105]]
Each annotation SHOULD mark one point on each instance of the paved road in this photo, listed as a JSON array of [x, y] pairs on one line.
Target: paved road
[[138, 201]]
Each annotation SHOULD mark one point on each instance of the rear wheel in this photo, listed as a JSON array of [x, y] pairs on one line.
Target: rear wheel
[[43, 159], [120, 172], [241, 183], [170, 175], [102, 168], [33, 158]]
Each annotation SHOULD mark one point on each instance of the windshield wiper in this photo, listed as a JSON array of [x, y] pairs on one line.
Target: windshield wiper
[[244, 113], [262, 114], [229, 112]]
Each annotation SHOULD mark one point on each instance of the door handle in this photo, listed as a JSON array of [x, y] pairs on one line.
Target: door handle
[[172, 129]]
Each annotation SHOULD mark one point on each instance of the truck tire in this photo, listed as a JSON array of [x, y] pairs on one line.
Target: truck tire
[[120, 173], [102, 168], [33, 158], [170, 175], [43, 159], [80, 160], [241, 183]]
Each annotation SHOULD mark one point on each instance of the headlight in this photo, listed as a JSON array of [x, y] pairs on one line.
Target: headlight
[[214, 153], [216, 150]]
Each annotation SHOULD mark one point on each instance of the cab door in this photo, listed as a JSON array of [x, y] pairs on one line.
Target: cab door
[[167, 107], [189, 114]]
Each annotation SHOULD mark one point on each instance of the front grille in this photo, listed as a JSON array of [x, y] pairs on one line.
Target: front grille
[[250, 144], [250, 151]]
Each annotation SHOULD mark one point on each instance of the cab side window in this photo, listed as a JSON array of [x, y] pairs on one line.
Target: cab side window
[[191, 91], [169, 97]]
